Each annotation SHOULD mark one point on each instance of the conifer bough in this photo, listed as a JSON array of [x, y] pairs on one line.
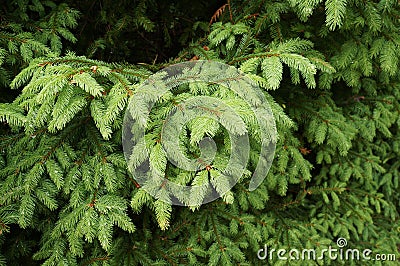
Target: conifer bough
[[329, 70], [199, 100]]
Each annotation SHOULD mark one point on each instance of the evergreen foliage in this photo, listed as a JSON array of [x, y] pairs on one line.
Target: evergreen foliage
[[329, 70], [30, 30]]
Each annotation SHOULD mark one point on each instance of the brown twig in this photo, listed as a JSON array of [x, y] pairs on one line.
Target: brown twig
[[219, 12]]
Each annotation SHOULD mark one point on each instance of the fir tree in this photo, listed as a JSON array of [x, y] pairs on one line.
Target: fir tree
[[329, 71]]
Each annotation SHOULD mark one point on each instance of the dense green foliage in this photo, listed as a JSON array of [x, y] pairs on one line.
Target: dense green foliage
[[329, 70]]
